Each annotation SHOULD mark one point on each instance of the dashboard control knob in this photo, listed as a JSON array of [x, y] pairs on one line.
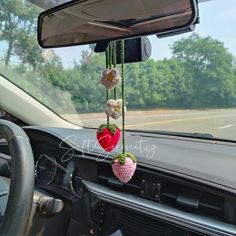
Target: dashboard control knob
[[50, 206]]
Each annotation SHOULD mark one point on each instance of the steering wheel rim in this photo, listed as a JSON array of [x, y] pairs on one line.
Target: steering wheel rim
[[17, 213]]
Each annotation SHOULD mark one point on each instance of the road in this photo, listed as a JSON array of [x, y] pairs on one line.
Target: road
[[218, 122]]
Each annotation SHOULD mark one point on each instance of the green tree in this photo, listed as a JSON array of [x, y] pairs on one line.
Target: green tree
[[87, 74], [28, 51], [17, 18], [211, 67], [180, 83]]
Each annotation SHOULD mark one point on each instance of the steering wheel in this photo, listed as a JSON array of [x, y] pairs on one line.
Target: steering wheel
[[18, 208]]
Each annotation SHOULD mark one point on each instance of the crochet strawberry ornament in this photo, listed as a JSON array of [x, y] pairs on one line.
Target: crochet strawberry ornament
[[123, 164], [108, 135]]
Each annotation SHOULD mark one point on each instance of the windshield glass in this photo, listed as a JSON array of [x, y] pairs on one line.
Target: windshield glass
[[188, 84]]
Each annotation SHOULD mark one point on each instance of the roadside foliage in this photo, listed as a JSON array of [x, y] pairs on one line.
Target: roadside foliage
[[200, 74]]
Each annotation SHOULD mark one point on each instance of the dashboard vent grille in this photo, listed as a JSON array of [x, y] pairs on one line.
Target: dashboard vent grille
[[192, 200], [138, 225], [166, 190], [130, 223]]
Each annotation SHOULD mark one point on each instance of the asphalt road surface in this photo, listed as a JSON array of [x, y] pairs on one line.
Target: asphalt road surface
[[221, 123]]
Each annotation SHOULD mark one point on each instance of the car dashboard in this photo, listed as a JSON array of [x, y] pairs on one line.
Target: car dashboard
[[157, 199]]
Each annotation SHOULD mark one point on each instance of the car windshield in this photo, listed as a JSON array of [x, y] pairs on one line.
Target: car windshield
[[188, 84]]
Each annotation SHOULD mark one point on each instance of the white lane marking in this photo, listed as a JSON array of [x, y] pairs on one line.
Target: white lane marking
[[226, 126], [179, 120], [159, 116]]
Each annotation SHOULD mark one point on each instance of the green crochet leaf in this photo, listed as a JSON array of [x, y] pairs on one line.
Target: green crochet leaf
[[122, 157], [111, 127]]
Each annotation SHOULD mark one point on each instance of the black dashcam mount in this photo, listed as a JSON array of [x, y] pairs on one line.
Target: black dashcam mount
[[136, 49]]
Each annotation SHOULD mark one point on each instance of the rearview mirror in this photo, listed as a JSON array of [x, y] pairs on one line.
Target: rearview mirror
[[91, 21]]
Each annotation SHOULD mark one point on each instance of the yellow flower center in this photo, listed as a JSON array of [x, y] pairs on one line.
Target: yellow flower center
[[117, 108], [110, 76]]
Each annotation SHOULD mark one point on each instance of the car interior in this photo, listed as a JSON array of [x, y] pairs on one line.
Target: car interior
[[57, 177]]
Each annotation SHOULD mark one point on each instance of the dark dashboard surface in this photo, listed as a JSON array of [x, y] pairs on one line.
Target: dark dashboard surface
[[209, 162], [185, 181], [192, 173]]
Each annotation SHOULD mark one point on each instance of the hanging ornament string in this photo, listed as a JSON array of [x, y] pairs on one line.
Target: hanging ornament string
[[108, 135], [123, 164], [110, 60], [123, 94], [114, 64], [107, 58], [107, 66], [110, 56]]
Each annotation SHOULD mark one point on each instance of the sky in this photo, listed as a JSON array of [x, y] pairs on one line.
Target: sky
[[218, 20]]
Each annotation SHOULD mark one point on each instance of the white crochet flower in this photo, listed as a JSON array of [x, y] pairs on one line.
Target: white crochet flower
[[114, 108], [110, 78]]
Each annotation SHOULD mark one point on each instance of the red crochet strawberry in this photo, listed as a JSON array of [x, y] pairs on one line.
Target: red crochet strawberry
[[108, 135], [124, 166]]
